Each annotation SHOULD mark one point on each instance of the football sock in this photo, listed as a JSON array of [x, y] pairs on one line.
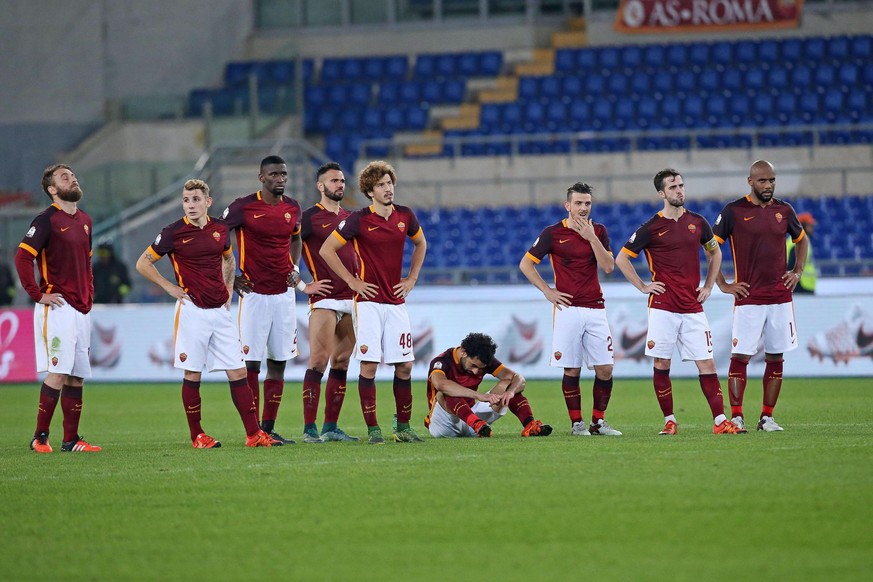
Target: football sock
[[48, 401], [460, 407], [520, 407], [572, 397], [273, 398], [311, 394], [664, 391], [191, 401], [334, 394], [737, 385], [310, 428], [242, 398], [403, 400], [328, 427], [367, 392], [255, 385], [71, 405], [712, 390], [670, 417], [602, 392], [772, 385]]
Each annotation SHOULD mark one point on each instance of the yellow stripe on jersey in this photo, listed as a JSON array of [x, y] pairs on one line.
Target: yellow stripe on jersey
[[28, 248], [629, 252], [418, 234], [339, 237], [309, 262], [532, 258]]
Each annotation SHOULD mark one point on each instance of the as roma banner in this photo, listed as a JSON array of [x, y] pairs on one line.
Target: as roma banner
[[655, 16]]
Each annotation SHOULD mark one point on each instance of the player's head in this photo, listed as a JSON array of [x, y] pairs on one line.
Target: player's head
[[762, 180], [579, 200], [670, 187], [196, 200], [330, 181], [477, 352], [273, 175], [59, 180], [377, 182]]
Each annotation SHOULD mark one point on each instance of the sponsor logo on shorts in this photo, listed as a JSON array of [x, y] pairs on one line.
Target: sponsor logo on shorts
[[183, 356], [246, 350], [54, 360], [558, 355], [778, 217], [735, 342], [650, 344], [364, 349]]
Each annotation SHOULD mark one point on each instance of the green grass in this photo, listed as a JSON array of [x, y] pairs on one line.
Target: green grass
[[793, 505]]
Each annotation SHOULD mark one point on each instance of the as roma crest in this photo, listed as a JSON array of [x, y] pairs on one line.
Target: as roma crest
[[558, 355], [54, 360], [401, 225], [183, 356], [287, 217], [216, 236], [364, 349], [246, 350], [650, 344], [778, 217], [692, 227]]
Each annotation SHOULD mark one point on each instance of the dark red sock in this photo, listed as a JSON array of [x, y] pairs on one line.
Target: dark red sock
[[311, 394], [71, 405], [255, 385], [462, 408], [664, 390], [712, 390], [572, 397], [772, 385], [48, 401], [520, 407], [602, 391], [737, 385], [191, 401], [272, 399], [403, 399], [334, 394], [241, 395], [367, 392]]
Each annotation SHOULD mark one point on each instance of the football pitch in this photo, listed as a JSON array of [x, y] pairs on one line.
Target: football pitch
[[794, 505]]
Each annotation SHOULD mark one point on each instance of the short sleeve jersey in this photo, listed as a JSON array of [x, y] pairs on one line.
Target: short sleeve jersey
[[316, 225], [61, 245], [574, 262], [757, 236], [379, 245], [448, 364], [673, 252], [196, 254], [263, 236]]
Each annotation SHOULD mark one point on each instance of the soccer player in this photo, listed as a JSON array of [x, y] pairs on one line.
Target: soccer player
[[382, 327], [267, 225], [331, 332], [205, 334], [757, 225], [671, 240], [59, 240], [580, 332], [456, 407]]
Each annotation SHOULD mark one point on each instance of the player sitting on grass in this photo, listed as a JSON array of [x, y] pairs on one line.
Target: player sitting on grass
[[458, 410]]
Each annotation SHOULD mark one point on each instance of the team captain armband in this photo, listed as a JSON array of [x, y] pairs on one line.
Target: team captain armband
[[711, 245]]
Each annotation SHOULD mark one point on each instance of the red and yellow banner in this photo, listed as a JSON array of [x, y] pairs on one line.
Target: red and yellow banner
[[656, 16]]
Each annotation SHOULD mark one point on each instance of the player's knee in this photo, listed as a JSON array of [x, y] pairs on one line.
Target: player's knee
[[603, 372], [318, 362], [706, 366], [403, 370], [253, 366]]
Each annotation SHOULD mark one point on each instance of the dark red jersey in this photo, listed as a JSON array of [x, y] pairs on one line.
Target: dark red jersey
[[757, 235], [317, 224], [61, 245], [573, 261], [196, 254], [448, 364], [673, 252], [263, 237], [379, 246]]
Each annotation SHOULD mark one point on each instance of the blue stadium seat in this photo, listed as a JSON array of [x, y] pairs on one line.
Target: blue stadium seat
[[352, 69], [632, 57], [579, 115], [768, 52], [792, 51], [677, 55], [641, 83], [777, 79], [746, 51], [556, 116], [814, 49], [801, 78], [849, 76], [710, 80], [314, 95], [425, 66], [411, 91], [787, 108], [756, 78], [360, 94], [447, 65], [237, 73], [655, 56], [699, 54], [610, 58], [339, 95], [490, 63], [618, 83], [825, 76], [838, 48], [389, 93], [528, 88], [586, 60], [573, 87], [550, 87], [862, 48], [565, 60], [722, 54], [396, 67]]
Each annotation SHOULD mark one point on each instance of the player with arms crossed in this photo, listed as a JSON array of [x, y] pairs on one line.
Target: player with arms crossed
[[382, 325], [267, 225], [331, 331], [577, 246], [456, 407], [205, 335], [671, 240], [756, 226], [59, 240]]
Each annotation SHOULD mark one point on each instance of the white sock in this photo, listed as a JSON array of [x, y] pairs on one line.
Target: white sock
[[669, 418], [719, 419]]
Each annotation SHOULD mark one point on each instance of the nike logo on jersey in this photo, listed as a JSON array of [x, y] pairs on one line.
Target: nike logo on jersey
[[663, 233], [65, 228], [325, 225], [562, 241], [747, 218], [187, 240], [259, 215], [372, 228]]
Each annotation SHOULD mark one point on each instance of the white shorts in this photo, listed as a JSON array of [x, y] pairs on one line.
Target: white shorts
[[63, 339], [206, 337], [776, 322], [338, 306], [689, 331], [580, 338], [383, 333], [446, 425], [268, 326]]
